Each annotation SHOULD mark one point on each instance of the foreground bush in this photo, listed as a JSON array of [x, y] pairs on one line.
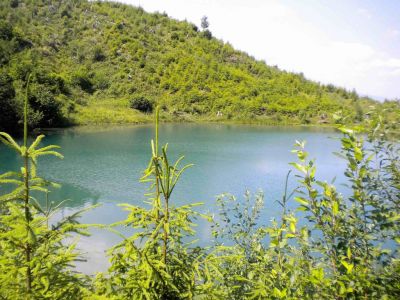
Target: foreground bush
[[35, 260]]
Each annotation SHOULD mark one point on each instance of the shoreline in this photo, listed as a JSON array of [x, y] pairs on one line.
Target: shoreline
[[112, 126]]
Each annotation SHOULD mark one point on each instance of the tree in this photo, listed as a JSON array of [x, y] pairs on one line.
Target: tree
[[8, 113], [204, 22], [46, 108], [35, 260]]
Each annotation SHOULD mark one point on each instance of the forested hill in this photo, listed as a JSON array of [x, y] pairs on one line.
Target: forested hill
[[97, 62]]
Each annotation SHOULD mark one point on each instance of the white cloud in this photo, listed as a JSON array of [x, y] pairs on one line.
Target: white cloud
[[395, 73], [389, 63], [393, 33], [364, 13]]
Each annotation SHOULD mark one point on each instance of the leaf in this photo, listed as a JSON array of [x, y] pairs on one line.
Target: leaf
[[301, 200], [45, 281], [279, 293], [299, 167], [36, 142], [292, 227], [335, 208], [349, 267], [6, 139], [358, 154], [31, 235], [349, 253], [54, 153]]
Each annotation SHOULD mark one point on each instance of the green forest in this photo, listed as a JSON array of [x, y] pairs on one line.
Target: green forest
[[74, 62], [103, 62]]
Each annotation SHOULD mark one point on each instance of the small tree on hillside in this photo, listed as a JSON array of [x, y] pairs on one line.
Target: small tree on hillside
[[204, 22]]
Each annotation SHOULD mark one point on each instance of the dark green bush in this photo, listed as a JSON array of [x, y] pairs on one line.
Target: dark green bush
[[46, 108], [98, 54], [6, 31], [81, 79], [8, 113], [207, 34], [101, 81], [142, 104], [14, 3]]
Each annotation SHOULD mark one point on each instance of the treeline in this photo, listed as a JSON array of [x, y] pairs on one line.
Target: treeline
[[348, 248], [93, 61]]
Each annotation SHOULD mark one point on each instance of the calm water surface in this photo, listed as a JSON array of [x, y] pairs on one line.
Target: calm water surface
[[103, 166]]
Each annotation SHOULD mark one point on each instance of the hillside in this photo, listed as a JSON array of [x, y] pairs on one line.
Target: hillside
[[92, 62]]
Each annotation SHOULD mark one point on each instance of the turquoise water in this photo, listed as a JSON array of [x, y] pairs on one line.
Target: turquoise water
[[103, 166]]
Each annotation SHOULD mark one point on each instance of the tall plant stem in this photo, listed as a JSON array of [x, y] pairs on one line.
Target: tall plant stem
[[284, 201], [155, 163], [27, 219], [166, 216], [26, 194]]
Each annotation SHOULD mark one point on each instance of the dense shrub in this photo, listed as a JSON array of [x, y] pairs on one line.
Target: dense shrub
[[46, 109], [101, 81], [98, 54], [8, 108], [14, 3], [207, 34], [44, 94], [6, 31], [81, 79], [142, 104]]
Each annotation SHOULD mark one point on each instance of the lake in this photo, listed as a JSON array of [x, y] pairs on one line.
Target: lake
[[103, 166]]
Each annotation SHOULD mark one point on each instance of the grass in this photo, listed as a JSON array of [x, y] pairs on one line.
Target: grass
[[108, 111], [117, 111]]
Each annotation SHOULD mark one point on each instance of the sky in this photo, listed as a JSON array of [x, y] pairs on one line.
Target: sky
[[350, 43]]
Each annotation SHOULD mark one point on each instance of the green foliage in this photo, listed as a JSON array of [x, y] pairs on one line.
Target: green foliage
[[14, 3], [35, 261], [338, 251], [207, 34], [6, 31], [110, 52], [8, 113], [329, 245], [204, 22], [142, 104], [98, 54], [46, 108], [350, 233], [81, 79]]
